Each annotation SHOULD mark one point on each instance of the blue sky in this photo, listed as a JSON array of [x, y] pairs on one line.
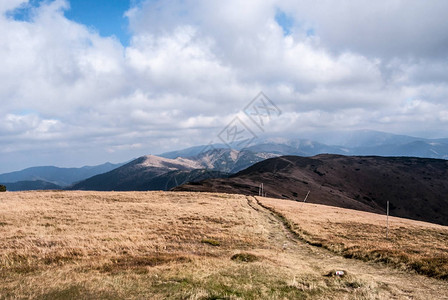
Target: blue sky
[[181, 70], [105, 16], [285, 21]]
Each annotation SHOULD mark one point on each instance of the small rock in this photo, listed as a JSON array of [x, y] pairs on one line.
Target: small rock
[[336, 273]]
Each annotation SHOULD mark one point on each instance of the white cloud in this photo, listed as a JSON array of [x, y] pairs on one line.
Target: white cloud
[[194, 64], [395, 28], [11, 4]]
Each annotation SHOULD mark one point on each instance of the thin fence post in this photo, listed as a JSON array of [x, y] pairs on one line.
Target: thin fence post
[[387, 221], [304, 200]]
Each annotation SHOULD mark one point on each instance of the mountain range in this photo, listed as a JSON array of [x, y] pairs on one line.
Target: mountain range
[[174, 168], [359, 142], [50, 177]]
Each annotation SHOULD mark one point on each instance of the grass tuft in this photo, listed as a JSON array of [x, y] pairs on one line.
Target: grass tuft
[[211, 242], [244, 257]]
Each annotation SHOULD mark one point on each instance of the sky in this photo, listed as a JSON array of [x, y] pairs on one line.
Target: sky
[[85, 82]]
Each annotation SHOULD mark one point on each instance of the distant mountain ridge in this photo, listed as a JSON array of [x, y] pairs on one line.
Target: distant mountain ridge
[[367, 138], [359, 142], [57, 177], [30, 185]]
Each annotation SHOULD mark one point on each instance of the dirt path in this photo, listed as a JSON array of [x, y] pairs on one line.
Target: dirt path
[[303, 258]]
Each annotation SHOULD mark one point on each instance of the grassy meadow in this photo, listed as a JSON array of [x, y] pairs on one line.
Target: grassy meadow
[[166, 245], [409, 245]]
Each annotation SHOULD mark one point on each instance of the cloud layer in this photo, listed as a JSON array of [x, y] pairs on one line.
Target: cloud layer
[[69, 96]]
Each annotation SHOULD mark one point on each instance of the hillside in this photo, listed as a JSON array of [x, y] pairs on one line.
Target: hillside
[[159, 173], [135, 174], [415, 187], [365, 236], [165, 245]]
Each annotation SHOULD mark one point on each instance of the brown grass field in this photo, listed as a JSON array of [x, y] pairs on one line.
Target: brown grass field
[[166, 245], [410, 245]]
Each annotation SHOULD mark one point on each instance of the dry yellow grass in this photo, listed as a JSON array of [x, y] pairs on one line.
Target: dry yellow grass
[[414, 245], [159, 245]]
